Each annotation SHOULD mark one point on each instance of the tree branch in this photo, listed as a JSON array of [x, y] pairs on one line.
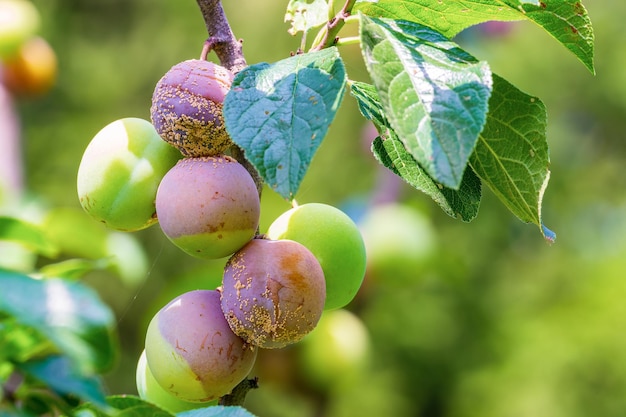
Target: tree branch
[[221, 37], [334, 25]]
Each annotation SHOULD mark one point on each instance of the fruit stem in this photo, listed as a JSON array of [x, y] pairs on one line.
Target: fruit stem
[[221, 37], [238, 395]]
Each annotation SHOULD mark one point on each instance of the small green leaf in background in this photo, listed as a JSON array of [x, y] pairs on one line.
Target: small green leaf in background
[[280, 113], [512, 156], [70, 314], [217, 411], [305, 15], [391, 153], [27, 234], [565, 20], [74, 268], [435, 95]]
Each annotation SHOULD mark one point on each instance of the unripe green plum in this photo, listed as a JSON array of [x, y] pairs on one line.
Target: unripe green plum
[[273, 292], [150, 390], [337, 350], [209, 207], [335, 241], [19, 21], [399, 240], [187, 107], [191, 350], [120, 172]]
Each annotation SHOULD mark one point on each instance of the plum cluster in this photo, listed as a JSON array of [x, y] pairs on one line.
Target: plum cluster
[[175, 170]]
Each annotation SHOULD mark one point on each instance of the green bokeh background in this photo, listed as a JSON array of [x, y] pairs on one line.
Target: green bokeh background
[[491, 322]]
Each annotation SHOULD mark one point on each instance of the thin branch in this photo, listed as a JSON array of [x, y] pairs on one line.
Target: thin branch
[[221, 39], [334, 25]]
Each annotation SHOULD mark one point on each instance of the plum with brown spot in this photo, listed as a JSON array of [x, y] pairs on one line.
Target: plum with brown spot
[[273, 292], [191, 350], [209, 207], [187, 107]]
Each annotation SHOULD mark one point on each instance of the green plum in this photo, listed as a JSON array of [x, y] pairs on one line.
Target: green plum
[[19, 21], [336, 351], [120, 172], [191, 350], [336, 242], [400, 242], [150, 390]]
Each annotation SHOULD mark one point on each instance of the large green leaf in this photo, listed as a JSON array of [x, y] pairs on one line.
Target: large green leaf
[[59, 374], [68, 313], [27, 234], [391, 153], [435, 95], [280, 113], [511, 156], [566, 20]]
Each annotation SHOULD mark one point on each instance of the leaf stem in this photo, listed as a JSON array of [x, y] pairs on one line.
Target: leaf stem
[[333, 26], [348, 40]]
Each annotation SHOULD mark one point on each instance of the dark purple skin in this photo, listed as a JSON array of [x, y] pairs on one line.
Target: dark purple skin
[[187, 107], [273, 292]]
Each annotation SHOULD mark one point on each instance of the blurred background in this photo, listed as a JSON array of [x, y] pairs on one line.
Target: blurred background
[[454, 319]]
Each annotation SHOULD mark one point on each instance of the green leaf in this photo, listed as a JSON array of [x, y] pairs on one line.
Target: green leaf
[[74, 268], [27, 234], [391, 153], [462, 203], [435, 95], [565, 20], [217, 411], [60, 375], [70, 314], [305, 15], [512, 156], [279, 113]]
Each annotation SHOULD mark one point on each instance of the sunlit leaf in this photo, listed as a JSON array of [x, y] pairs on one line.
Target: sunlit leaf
[[435, 95], [565, 20], [305, 15], [280, 113], [391, 153], [512, 156]]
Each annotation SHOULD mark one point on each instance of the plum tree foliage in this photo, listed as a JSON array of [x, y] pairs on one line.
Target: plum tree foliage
[[446, 124]]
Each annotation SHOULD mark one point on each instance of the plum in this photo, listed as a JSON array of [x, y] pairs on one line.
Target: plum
[[120, 172], [191, 350], [209, 207], [273, 292], [150, 390], [336, 242], [187, 107]]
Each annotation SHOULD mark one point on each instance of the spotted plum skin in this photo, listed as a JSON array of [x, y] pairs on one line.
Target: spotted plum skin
[[187, 107], [209, 207], [273, 292], [120, 171], [336, 242], [191, 350]]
